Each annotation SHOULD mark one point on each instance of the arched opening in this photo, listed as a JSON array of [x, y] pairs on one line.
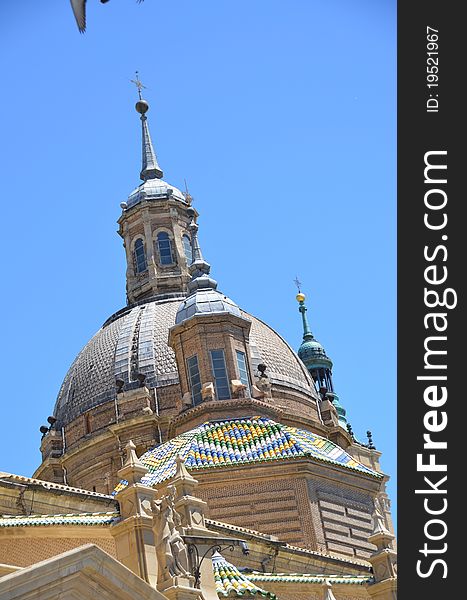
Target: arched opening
[[187, 249], [164, 247], [139, 253]]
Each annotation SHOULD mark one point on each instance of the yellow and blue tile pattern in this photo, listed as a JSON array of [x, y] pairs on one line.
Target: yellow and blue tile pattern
[[240, 441]]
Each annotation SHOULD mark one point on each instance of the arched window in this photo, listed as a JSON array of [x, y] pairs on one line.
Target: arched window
[[220, 374], [187, 249], [195, 379], [165, 248], [140, 256], [243, 369]]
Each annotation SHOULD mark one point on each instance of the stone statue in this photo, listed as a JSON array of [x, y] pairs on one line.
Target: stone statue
[[378, 515], [171, 550]]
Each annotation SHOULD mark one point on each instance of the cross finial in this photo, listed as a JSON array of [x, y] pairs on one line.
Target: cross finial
[[138, 84], [298, 283]]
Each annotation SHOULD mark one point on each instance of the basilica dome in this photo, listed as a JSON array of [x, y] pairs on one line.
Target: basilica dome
[[135, 341], [180, 351]]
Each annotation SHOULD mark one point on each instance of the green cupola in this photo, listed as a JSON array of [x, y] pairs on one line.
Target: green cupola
[[318, 363]]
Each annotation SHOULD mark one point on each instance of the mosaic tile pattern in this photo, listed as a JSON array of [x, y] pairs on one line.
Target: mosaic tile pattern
[[90, 381], [105, 518], [240, 441], [230, 582]]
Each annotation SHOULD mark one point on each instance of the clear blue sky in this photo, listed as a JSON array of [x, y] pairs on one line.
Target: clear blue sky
[[281, 116]]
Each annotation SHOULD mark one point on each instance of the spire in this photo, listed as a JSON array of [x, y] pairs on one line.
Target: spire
[[132, 469], [150, 167], [318, 362], [307, 335], [199, 268]]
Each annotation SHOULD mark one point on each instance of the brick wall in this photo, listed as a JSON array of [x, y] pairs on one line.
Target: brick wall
[[276, 506], [346, 520], [23, 552]]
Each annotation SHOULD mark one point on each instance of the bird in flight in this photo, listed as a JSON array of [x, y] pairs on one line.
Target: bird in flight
[[79, 10]]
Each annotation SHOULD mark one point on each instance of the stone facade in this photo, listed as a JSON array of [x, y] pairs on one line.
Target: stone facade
[[144, 223]]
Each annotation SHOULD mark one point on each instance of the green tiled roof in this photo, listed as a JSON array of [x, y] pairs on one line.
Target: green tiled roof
[[104, 518], [230, 582], [240, 441], [256, 576]]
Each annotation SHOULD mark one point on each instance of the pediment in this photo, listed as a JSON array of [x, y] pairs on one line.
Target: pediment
[[84, 573]]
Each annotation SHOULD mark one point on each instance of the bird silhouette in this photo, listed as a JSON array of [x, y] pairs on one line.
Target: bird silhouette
[[79, 10]]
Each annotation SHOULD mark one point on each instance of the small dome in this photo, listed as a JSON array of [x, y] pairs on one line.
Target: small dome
[[313, 354], [154, 189], [231, 582], [206, 301]]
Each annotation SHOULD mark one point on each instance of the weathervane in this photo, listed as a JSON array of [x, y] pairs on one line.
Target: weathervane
[[138, 84], [298, 283]]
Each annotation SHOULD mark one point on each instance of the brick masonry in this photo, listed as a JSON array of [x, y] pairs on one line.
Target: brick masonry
[[26, 551]]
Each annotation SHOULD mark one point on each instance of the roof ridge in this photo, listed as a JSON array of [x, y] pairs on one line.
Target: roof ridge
[[42, 516], [51, 484], [325, 575], [63, 519], [223, 524], [309, 578], [240, 528]]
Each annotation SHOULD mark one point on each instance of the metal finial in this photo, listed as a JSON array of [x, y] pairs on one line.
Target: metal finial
[[307, 335], [369, 435], [150, 167], [138, 84], [350, 430]]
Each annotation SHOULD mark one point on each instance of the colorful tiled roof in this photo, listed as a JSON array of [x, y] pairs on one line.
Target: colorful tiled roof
[[71, 519], [230, 582], [256, 576], [241, 441]]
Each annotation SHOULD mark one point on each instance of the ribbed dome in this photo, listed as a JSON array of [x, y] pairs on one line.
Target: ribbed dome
[[154, 189], [135, 340], [204, 302]]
